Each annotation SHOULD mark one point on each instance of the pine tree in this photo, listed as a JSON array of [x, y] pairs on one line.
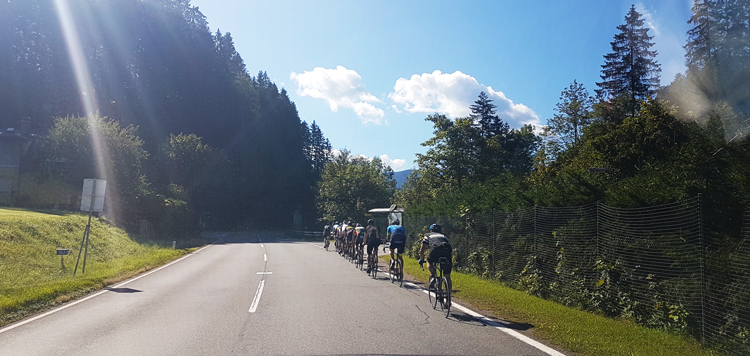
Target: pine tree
[[630, 71], [484, 115], [717, 54]]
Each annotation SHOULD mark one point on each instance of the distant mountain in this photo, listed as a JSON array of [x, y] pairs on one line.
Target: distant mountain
[[400, 177]]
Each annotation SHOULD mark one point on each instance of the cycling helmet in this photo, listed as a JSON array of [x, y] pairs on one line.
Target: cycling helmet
[[396, 222], [371, 222], [436, 228], [359, 225]]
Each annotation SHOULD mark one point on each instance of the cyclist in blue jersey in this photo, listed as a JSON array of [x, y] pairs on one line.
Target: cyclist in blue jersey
[[397, 236]]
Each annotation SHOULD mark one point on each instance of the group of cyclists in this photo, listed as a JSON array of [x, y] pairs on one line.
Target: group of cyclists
[[350, 239]]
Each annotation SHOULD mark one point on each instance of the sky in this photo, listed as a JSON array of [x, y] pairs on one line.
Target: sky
[[370, 72]]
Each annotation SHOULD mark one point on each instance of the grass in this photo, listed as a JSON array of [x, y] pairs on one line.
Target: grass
[[576, 331], [32, 277]]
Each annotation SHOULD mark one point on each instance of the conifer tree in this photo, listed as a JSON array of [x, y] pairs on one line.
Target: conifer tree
[[630, 72], [484, 115]]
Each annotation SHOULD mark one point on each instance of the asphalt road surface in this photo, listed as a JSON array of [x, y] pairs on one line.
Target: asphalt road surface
[[275, 296]]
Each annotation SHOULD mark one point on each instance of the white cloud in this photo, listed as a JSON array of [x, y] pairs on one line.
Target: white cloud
[[340, 87], [396, 164], [668, 45], [451, 94]]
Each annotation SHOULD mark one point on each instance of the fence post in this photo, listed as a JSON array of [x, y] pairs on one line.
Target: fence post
[[702, 262], [598, 235]]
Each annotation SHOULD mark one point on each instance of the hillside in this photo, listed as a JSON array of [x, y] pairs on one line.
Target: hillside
[[31, 274], [401, 176]]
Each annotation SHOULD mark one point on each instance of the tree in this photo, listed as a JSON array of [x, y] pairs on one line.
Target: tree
[[484, 114], [717, 55], [454, 153], [350, 186], [572, 114], [630, 71], [190, 170], [77, 148], [320, 149]]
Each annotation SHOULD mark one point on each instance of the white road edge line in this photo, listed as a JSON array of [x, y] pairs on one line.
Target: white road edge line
[[544, 348], [53, 311], [258, 292]]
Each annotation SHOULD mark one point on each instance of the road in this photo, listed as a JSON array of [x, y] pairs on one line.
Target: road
[[273, 297]]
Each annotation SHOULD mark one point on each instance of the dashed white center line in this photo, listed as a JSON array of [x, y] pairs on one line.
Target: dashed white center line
[[264, 273], [258, 292], [265, 257]]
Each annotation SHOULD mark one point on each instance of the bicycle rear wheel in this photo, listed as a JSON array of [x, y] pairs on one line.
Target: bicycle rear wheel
[[392, 271], [374, 272], [432, 292], [445, 300], [400, 269]]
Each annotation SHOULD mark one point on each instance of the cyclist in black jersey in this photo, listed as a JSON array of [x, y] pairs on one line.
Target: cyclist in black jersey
[[438, 246], [372, 240]]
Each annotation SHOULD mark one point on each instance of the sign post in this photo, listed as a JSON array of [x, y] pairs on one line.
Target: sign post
[[92, 200]]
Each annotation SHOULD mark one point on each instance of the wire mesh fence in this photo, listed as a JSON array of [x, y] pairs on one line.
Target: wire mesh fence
[[647, 264]]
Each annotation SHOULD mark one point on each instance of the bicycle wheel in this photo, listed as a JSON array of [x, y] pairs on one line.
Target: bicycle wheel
[[392, 271], [374, 272], [400, 269], [445, 300], [432, 292]]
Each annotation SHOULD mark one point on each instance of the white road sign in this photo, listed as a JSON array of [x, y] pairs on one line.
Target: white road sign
[[92, 198]]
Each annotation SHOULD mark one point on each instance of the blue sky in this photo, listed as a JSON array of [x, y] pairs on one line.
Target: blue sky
[[369, 72]]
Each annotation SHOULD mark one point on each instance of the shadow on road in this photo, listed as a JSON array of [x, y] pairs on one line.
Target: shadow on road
[[123, 290]]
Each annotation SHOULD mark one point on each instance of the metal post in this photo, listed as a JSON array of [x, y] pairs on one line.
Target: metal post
[[86, 252], [83, 240]]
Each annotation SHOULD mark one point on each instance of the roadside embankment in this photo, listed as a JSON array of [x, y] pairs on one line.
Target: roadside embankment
[[34, 278]]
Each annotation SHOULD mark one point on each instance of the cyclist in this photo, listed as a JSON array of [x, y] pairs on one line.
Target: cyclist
[[397, 236], [372, 241], [359, 233], [337, 234], [326, 234], [349, 238], [439, 246]]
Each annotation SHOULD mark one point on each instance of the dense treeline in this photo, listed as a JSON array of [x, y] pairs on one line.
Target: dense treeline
[[668, 165], [229, 144], [633, 144]]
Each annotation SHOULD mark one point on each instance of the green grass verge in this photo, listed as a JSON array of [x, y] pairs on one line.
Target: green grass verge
[[577, 331], [32, 277]]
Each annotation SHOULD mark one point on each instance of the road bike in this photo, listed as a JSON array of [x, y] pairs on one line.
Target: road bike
[[326, 242], [372, 265], [359, 256], [397, 272], [438, 288]]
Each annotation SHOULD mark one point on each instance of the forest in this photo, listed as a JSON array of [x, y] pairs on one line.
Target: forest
[[190, 137]]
